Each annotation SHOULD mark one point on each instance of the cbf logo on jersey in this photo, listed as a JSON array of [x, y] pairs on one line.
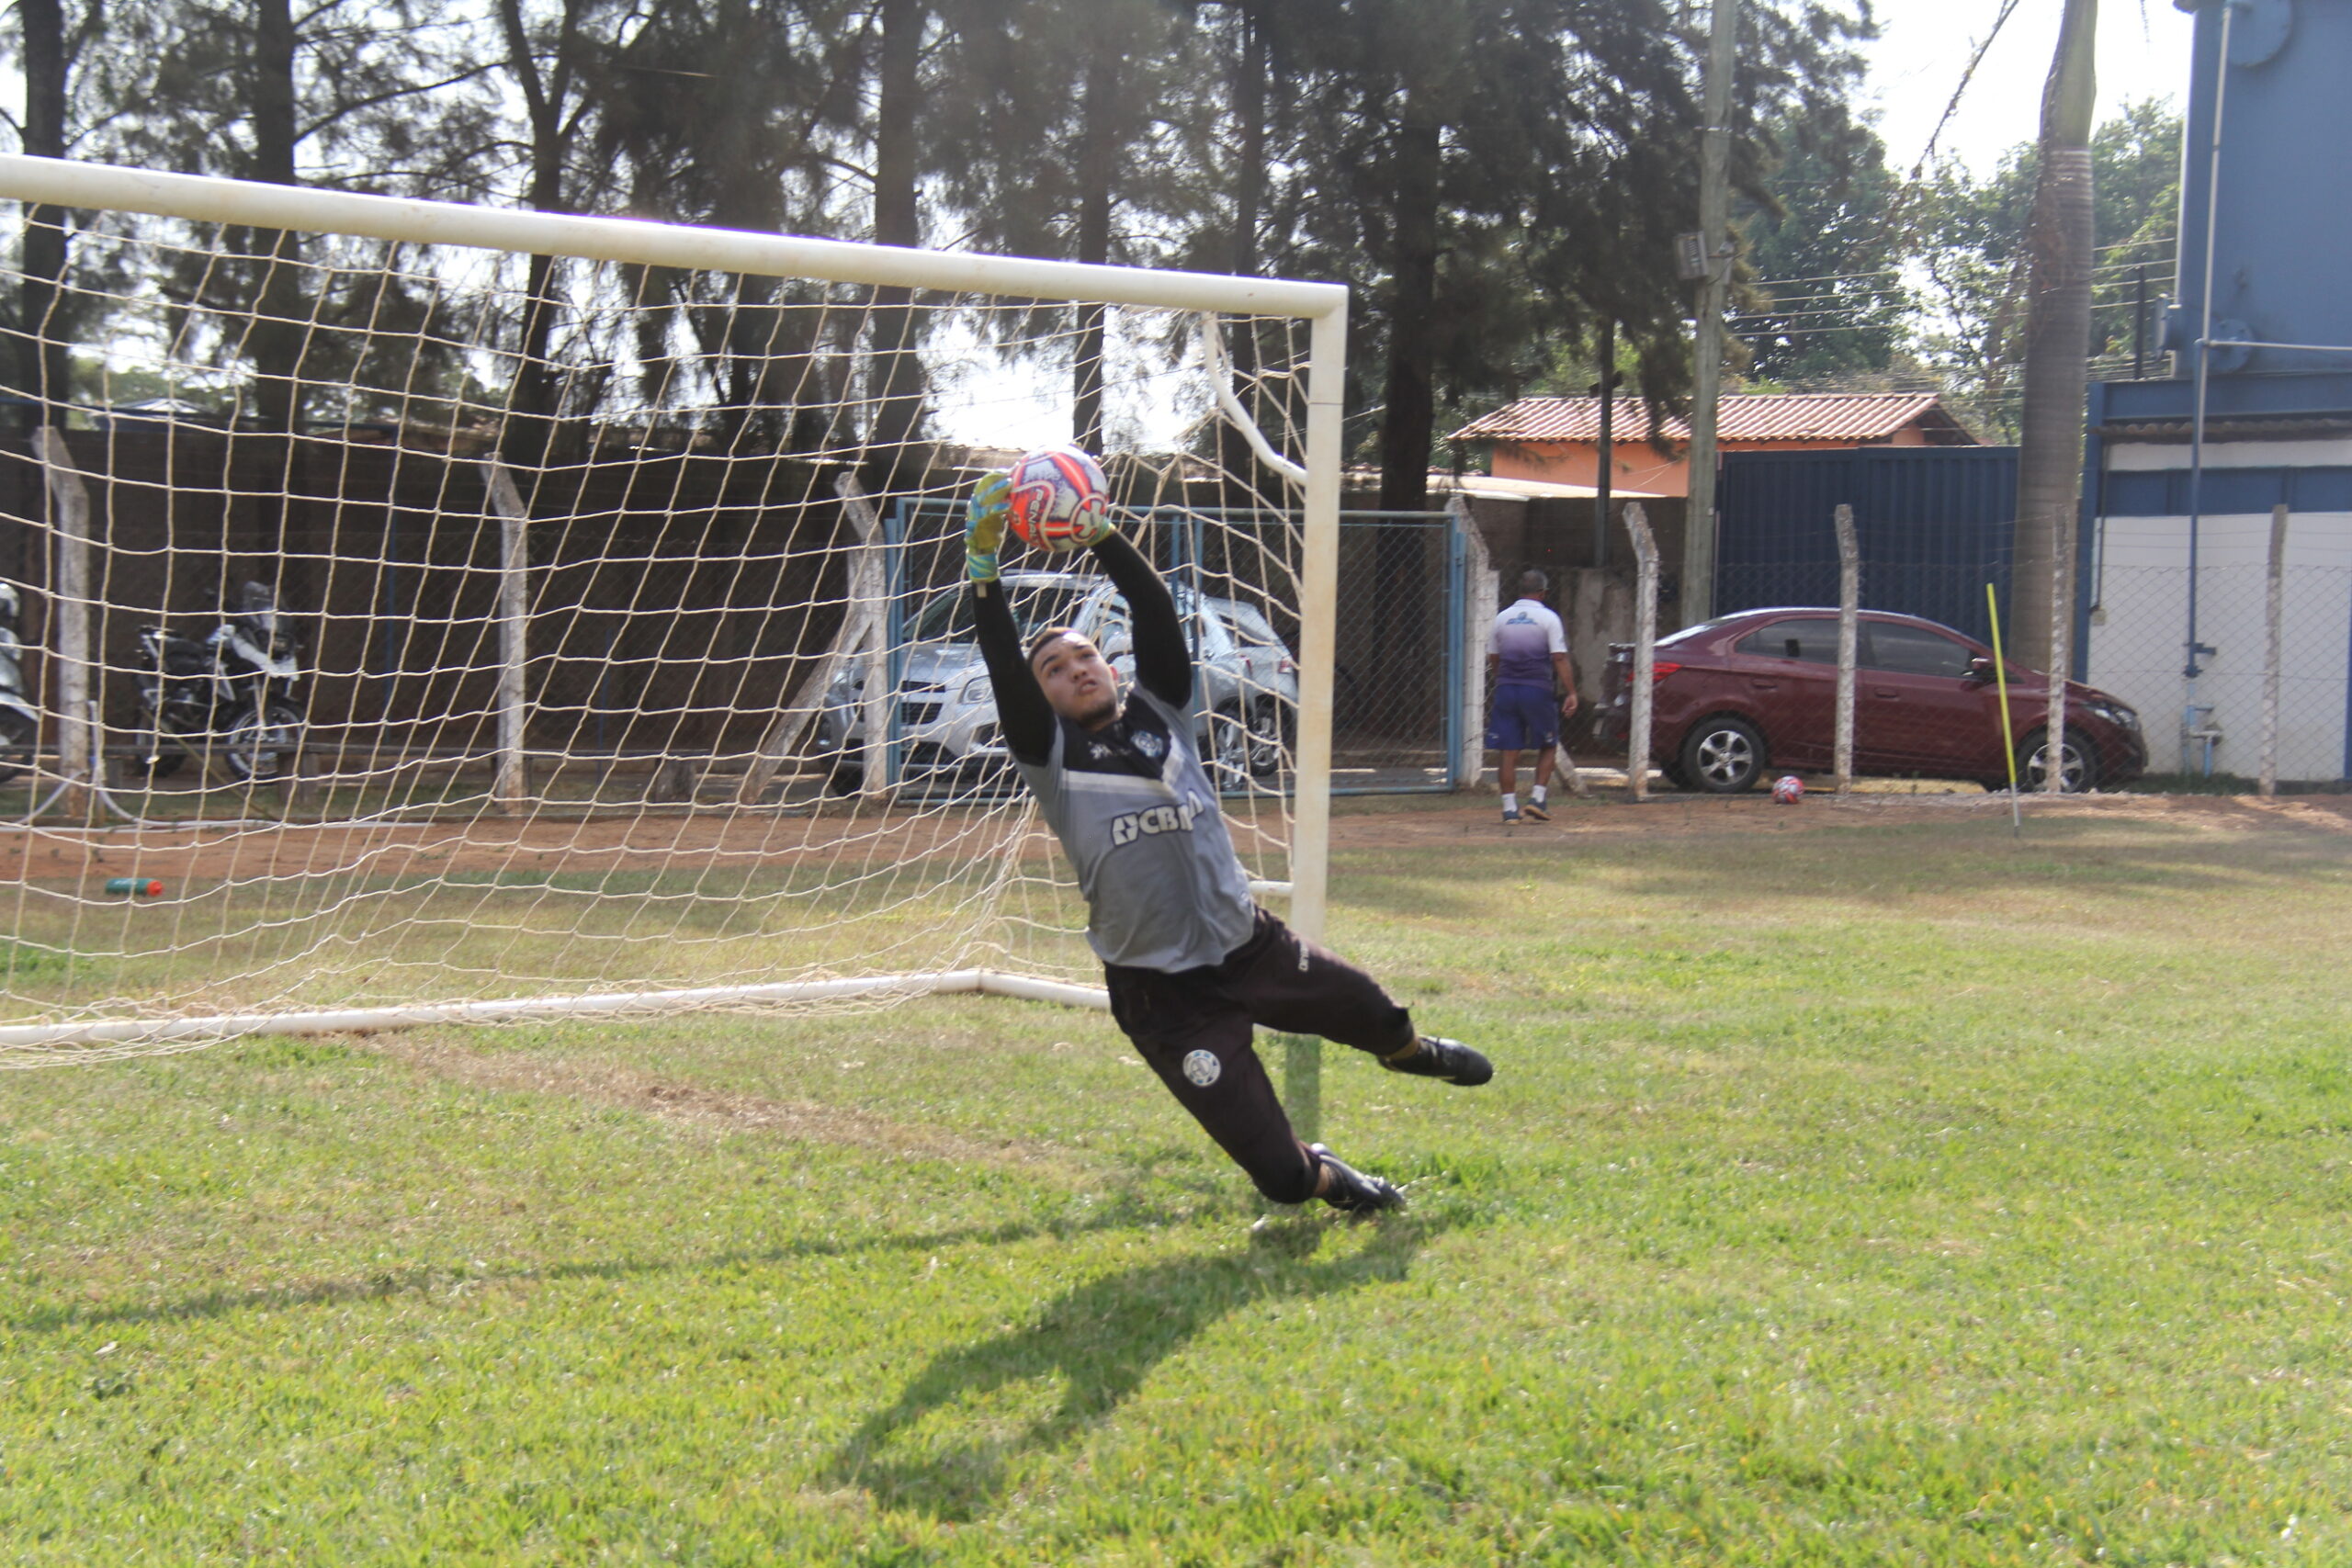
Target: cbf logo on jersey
[[1159, 820]]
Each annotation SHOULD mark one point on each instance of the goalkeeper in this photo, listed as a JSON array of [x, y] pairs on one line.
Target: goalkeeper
[[1190, 962]]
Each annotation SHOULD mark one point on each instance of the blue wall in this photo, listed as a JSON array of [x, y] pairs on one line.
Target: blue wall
[[2284, 227], [1934, 524]]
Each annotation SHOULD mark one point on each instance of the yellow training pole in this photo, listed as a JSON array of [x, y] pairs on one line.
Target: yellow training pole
[[2001, 680]]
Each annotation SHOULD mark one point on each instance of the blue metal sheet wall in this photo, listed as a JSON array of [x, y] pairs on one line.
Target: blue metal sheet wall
[[1935, 523]]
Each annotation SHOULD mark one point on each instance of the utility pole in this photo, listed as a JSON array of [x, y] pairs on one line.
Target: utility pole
[[1698, 601], [1606, 391]]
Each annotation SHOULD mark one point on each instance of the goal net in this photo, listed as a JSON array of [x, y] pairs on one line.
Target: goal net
[[427, 613]]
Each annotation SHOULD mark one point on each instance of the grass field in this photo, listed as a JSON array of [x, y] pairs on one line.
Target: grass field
[[1883, 1193]]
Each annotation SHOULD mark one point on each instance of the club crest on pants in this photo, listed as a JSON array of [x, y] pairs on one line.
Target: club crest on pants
[[1203, 1068]]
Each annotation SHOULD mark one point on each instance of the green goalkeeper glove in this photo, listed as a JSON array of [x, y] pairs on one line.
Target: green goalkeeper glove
[[984, 520], [1092, 526]]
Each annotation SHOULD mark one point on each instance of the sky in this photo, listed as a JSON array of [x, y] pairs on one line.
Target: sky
[[1926, 44]]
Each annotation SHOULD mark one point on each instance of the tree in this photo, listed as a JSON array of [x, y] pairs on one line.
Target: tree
[[897, 366], [1071, 133], [1972, 235], [45, 371], [736, 114], [1827, 302], [558, 61], [371, 95], [1519, 168]]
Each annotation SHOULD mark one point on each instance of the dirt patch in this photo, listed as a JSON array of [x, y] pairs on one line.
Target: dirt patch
[[875, 837], [599, 1082]]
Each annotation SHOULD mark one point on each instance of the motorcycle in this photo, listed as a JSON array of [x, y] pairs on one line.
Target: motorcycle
[[19, 719], [229, 692]]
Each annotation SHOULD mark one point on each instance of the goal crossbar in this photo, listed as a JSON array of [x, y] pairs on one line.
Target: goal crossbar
[[205, 198]]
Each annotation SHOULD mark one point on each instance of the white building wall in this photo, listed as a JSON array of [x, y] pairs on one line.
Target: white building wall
[[2138, 642]]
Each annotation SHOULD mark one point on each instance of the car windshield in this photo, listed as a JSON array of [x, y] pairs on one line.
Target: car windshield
[[948, 617], [1688, 633], [1249, 622]]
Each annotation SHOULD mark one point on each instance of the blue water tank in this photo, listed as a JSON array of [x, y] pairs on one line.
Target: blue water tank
[[2282, 222]]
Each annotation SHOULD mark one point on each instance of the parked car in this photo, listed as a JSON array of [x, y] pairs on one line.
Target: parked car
[[1747, 694], [946, 708]]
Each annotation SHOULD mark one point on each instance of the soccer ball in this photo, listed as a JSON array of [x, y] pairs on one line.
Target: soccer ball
[[1788, 789], [1059, 498]]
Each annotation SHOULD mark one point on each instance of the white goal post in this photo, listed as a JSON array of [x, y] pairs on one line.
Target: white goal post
[[287, 902]]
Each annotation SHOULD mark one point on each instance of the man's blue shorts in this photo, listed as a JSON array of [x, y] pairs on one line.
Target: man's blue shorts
[[1525, 718]]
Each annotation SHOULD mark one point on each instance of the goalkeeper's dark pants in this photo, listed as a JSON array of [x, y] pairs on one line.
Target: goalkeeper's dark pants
[[1194, 1027]]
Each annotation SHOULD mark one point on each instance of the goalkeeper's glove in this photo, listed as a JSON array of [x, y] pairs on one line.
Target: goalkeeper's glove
[[1092, 524], [984, 520]]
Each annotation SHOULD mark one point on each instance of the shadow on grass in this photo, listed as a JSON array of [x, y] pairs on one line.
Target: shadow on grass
[[1123, 1213], [1100, 1342], [1878, 864]]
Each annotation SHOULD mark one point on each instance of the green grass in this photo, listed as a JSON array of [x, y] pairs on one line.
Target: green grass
[[1856, 1196]]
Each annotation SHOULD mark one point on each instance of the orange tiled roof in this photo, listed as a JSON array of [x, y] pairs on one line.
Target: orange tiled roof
[[1744, 417]]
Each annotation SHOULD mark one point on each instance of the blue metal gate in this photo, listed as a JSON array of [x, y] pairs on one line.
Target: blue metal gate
[[1935, 525]]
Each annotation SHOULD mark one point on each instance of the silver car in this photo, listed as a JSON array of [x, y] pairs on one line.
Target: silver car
[[946, 714]]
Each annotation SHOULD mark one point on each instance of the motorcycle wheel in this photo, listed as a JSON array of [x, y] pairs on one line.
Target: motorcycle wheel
[[166, 754], [264, 751], [16, 744]]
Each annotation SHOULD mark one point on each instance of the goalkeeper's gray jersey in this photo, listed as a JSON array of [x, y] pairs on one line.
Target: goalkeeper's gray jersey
[[1139, 820]]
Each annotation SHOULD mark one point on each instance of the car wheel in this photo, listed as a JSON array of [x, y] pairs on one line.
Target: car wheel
[[16, 744], [1723, 755], [1265, 742], [1229, 743], [2081, 768]]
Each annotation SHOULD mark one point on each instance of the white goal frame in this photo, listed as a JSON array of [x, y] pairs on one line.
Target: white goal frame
[[1324, 306]]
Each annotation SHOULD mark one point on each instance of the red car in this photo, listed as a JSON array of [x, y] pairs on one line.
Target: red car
[[1748, 695]]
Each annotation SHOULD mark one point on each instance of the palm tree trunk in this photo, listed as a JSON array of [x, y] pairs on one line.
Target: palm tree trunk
[[2058, 310]]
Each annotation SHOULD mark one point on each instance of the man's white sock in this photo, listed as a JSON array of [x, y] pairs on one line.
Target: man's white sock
[[1511, 800], [1537, 793]]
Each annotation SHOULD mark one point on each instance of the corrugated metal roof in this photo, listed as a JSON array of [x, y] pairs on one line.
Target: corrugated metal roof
[[1744, 416]]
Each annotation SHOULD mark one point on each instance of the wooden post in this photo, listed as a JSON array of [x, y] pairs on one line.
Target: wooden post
[[860, 629], [2274, 650], [1481, 591], [1849, 600], [1637, 745], [869, 592], [77, 733], [511, 787]]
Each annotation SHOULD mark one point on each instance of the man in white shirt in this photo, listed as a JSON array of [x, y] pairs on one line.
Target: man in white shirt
[[1526, 650]]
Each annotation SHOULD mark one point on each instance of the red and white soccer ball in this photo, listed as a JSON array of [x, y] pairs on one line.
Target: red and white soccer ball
[[1059, 498], [1788, 789]]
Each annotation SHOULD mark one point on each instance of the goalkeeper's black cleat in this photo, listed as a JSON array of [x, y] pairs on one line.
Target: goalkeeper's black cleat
[[1434, 1057], [1354, 1192]]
